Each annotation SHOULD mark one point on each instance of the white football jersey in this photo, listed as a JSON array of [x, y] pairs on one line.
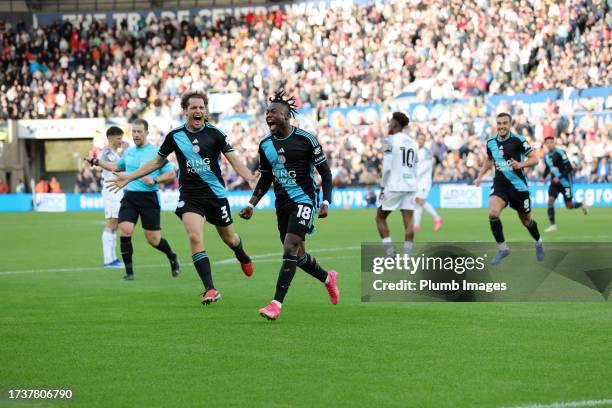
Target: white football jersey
[[425, 159], [109, 155], [400, 163]]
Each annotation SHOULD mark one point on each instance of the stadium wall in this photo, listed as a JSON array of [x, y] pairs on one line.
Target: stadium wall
[[442, 196]]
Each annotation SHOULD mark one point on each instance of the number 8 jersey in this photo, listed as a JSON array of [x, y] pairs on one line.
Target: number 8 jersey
[[400, 163]]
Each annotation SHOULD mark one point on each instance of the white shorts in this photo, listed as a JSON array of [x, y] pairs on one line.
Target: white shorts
[[398, 200], [423, 189], [111, 207]]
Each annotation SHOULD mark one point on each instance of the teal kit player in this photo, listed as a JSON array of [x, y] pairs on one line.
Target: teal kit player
[[140, 199], [198, 146], [561, 181], [509, 154], [287, 158]]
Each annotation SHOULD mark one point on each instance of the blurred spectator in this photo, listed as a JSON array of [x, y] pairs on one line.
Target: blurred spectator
[[42, 186], [4, 187], [54, 186], [20, 187]]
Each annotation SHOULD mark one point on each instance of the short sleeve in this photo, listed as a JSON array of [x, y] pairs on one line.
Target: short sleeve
[[167, 147], [388, 145], [489, 154], [105, 154], [318, 156], [121, 162], [526, 147], [264, 164], [222, 141]]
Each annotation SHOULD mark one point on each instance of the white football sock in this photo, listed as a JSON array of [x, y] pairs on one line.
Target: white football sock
[[108, 238], [431, 210], [418, 213]]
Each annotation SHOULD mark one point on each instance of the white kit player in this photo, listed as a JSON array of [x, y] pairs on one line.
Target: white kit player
[[399, 182], [112, 201], [424, 178]]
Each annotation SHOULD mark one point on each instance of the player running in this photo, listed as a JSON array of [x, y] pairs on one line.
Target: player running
[[399, 181], [506, 151], [198, 146], [287, 158], [140, 198], [560, 168], [424, 178], [112, 201]]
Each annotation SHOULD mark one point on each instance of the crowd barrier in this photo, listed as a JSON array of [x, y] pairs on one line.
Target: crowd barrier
[[441, 196]]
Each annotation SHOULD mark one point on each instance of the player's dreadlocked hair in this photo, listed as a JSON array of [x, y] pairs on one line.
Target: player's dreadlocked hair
[[280, 96]]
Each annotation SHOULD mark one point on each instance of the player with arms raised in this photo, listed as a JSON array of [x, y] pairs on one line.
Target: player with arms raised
[[198, 146], [287, 158], [560, 169], [399, 181], [506, 151]]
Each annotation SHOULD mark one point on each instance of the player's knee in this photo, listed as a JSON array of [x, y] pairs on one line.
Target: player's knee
[[493, 214], [291, 247], [195, 238]]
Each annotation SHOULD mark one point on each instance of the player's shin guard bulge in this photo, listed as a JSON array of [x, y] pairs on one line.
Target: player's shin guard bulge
[[285, 276], [533, 230], [245, 261]]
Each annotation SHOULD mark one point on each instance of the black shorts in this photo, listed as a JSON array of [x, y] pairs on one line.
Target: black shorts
[[295, 219], [518, 200], [215, 210], [557, 188], [143, 204]]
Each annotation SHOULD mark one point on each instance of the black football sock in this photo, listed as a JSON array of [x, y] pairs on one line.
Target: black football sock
[[551, 215], [164, 247], [497, 229], [126, 254], [285, 276], [309, 265], [202, 265], [533, 230], [577, 205], [241, 256]]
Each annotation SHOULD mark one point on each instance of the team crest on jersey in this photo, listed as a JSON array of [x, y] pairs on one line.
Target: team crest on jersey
[[195, 148], [282, 159], [180, 204], [317, 150]]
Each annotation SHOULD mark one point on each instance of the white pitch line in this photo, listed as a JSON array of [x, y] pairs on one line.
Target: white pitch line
[[261, 257], [569, 404]]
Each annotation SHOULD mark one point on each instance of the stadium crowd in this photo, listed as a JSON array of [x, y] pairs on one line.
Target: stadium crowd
[[355, 55]]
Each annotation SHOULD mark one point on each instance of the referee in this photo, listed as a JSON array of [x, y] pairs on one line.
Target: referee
[[140, 198]]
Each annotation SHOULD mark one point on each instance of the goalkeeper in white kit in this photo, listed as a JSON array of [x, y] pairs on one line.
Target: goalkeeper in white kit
[[399, 181]]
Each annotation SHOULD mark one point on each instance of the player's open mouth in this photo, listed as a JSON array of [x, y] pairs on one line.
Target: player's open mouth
[[271, 124], [197, 118]]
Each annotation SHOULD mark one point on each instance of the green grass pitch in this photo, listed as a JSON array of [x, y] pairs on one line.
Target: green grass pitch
[[67, 323]]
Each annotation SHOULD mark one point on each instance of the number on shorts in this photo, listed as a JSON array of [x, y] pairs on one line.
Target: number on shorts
[[224, 213], [526, 204], [304, 211]]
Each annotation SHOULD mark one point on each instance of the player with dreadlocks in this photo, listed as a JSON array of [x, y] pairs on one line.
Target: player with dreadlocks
[[287, 158]]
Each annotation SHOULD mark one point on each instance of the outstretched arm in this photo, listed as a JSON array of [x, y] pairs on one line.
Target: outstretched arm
[[240, 167], [123, 179]]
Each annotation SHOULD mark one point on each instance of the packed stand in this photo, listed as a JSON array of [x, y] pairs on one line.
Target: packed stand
[[355, 55]]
